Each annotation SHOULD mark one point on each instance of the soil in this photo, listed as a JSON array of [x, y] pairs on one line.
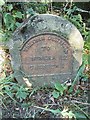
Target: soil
[[32, 106]]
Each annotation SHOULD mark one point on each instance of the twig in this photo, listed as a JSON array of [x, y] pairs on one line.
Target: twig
[[42, 108], [50, 110], [81, 10], [49, 104], [80, 102]]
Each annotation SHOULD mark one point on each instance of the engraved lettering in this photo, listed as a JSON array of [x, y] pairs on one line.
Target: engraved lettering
[[46, 54], [43, 66], [45, 48]]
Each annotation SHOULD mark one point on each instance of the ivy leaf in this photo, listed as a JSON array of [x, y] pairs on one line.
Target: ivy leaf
[[18, 24], [30, 11], [55, 94], [9, 21], [60, 88], [18, 15], [10, 7]]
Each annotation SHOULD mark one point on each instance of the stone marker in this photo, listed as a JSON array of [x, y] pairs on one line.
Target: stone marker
[[46, 49]]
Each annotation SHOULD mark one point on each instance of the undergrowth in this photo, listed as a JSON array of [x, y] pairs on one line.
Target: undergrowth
[[68, 97]]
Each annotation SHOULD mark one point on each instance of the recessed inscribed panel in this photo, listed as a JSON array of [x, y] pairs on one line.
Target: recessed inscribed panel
[[46, 54]]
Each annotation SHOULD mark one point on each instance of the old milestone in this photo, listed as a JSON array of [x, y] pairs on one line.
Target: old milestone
[[46, 49]]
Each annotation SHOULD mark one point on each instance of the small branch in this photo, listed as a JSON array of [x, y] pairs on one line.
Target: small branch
[[42, 108], [80, 102], [49, 104], [81, 10]]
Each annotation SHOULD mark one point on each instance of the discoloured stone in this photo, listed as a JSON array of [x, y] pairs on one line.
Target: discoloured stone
[[46, 49], [45, 55]]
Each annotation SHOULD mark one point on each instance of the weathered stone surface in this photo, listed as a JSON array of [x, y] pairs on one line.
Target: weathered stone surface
[[46, 54], [46, 49]]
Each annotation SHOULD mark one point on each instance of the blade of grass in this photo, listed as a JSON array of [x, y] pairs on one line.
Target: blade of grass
[[81, 111], [80, 71], [11, 97]]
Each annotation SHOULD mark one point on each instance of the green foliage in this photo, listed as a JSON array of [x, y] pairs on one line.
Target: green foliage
[[11, 20], [18, 14], [12, 89], [76, 20], [38, 7], [60, 89], [30, 11], [78, 75], [13, 15], [55, 94], [10, 7], [75, 17], [87, 42], [22, 93]]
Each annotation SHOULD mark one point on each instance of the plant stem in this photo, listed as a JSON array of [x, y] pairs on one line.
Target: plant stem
[[81, 110]]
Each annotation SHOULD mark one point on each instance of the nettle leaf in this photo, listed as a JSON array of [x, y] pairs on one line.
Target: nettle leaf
[[55, 94], [8, 91], [18, 15], [21, 93]]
